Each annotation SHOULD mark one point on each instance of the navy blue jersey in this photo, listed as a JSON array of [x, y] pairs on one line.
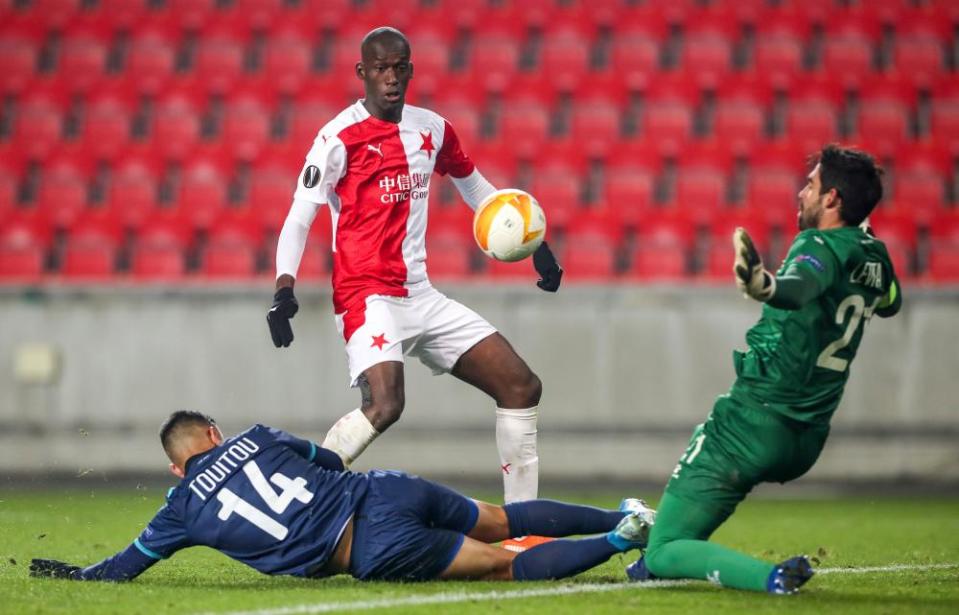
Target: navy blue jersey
[[264, 497]]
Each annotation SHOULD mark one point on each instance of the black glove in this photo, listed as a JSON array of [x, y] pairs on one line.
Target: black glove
[[54, 569], [550, 273], [284, 308]]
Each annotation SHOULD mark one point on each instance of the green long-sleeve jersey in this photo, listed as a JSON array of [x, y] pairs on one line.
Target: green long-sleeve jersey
[[828, 287]]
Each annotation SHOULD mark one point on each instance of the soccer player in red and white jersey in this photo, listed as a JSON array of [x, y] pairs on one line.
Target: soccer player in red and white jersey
[[372, 166]]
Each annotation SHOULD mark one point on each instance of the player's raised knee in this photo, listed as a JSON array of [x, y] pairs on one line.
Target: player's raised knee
[[523, 391], [385, 411]]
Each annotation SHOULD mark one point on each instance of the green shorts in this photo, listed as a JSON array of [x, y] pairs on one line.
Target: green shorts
[[738, 447]]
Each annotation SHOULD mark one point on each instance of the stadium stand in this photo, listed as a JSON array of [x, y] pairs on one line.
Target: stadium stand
[[134, 133]]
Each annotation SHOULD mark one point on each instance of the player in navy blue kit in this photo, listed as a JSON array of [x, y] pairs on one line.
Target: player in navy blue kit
[[286, 506]]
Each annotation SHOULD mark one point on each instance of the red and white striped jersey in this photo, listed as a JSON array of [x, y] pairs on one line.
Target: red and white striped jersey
[[375, 177]]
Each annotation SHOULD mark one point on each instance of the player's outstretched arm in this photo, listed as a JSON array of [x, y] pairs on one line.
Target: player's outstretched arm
[[124, 566], [550, 273]]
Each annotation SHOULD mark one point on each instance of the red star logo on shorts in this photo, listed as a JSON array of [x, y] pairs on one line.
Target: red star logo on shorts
[[379, 340], [427, 143]]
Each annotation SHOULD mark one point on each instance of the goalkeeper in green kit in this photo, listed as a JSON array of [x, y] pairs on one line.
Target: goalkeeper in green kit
[[773, 423]]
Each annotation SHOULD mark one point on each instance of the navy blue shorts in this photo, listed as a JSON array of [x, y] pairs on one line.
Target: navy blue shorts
[[408, 528]]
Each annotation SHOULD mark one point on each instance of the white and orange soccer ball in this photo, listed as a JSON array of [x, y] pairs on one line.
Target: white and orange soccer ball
[[509, 225]]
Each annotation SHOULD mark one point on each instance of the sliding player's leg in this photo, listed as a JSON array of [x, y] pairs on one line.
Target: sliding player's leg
[[556, 559], [727, 456]]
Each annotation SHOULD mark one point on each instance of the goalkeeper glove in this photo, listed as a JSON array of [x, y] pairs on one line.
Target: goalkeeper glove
[[55, 570], [550, 273], [284, 308], [751, 277]]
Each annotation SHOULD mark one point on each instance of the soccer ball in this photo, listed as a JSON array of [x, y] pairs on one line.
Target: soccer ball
[[509, 225]]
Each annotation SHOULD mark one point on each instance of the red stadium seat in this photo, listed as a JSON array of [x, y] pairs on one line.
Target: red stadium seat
[[565, 58], [202, 192], [594, 125], [778, 57], [38, 125], [448, 254], [920, 193], [90, 252], [257, 14], [945, 121], [159, 254], [628, 192], [773, 187], [525, 126], [106, 126], [634, 58], [191, 14], [708, 56], [558, 188], [667, 123], [431, 56], [82, 61], [11, 175], [848, 55], [132, 192], [176, 126], [919, 58], [63, 192], [246, 127], [287, 60], [884, 123], [218, 63], [493, 60], [898, 232], [588, 255], [23, 248], [18, 61], [150, 61], [307, 118], [230, 253], [739, 123], [271, 193], [700, 193], [327, 13], [56, 14], [811, 123], [660, 252], [121, 14]]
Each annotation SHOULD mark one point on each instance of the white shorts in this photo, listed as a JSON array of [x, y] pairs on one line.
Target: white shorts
[[429, 326]]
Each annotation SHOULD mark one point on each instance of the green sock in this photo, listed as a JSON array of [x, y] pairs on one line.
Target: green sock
[[678, 546], [700, 559]]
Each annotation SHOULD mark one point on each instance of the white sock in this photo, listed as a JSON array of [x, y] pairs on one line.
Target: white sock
[[516, 441], [350, 436]]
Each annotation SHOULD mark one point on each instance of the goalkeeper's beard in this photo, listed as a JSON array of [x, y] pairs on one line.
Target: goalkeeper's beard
[[809, 216]]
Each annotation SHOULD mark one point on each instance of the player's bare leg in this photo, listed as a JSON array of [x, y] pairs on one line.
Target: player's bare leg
[[493, 367], [382, 400], [482, 562]]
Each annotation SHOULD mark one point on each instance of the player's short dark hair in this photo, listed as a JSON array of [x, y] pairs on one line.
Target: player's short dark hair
[[856, 178], [381, 34], [180, 421]]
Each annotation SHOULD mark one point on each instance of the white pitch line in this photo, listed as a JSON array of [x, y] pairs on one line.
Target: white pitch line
[[562, 590]]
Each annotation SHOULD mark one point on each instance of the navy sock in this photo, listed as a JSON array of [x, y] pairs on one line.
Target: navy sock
[[551, 518], [561, 558]]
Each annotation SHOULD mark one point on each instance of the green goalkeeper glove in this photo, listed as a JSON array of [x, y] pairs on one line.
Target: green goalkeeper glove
[[751, 277]]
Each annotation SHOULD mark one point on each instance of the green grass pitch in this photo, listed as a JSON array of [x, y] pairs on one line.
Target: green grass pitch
[[84, 526]]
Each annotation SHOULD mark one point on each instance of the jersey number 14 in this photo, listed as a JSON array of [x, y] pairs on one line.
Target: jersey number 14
[[290, 489]]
